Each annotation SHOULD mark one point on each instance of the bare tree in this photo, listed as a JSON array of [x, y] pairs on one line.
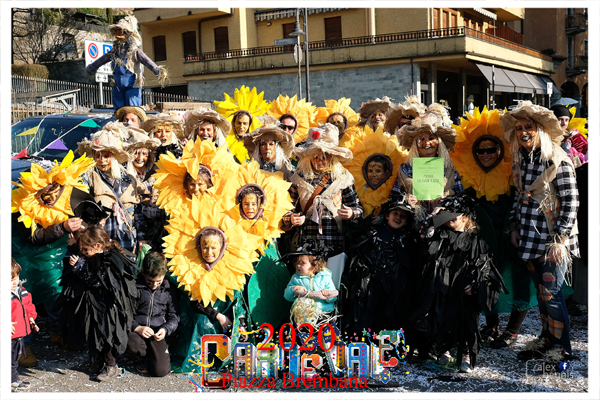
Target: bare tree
[[41, 34]]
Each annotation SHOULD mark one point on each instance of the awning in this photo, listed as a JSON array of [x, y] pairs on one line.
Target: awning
[[522, 84], [276, 13], [538, 83], [485, 12], [503, 83]]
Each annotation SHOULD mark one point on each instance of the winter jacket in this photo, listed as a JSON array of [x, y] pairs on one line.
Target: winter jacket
[[22, 309], [318, 282], [157, 308]]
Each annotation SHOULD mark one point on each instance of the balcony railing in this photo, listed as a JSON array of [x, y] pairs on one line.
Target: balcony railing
[[577, 65], [368, 40], [576, 23], [507, 33]]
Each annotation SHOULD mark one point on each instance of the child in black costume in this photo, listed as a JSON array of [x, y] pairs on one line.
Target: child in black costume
[[457, 282], [378, 272], [98, 298]]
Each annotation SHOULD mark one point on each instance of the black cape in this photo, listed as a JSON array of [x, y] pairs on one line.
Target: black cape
[[98, 301], [444, 315], [376, 279]]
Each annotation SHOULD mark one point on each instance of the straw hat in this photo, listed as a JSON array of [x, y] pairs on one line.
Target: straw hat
[[121, 112], [371, 107], [193, 117], [270, 132], [138, 138], [175, 122], [540, 115], [128, 24], [104, 140], [323, 139], [428, 123], [411, 106]]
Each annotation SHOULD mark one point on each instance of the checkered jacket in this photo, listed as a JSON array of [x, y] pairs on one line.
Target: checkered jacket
[[331, 234], [528, 216]]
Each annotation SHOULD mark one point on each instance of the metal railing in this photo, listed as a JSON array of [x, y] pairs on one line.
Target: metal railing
[[26, 94], [367, 40], [576, 23]]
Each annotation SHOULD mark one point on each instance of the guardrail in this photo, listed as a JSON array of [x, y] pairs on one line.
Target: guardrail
[[368, 40]]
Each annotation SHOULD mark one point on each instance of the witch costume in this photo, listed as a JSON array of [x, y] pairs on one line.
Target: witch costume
[[98, 301], [444, 315], [377, 278]]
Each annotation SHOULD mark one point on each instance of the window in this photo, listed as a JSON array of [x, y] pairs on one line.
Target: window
[[221, 40], [333, 31], [189, 43], [160, 48], [585, 48], [436, 18], [287, 29]]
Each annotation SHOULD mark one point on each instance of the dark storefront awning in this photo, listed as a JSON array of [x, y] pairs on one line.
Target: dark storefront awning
[[522, 84], [517, 82], [287, 13], [503, 83]]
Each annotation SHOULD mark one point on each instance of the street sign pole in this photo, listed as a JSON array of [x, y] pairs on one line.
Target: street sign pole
[[549, 89], [101, 94]]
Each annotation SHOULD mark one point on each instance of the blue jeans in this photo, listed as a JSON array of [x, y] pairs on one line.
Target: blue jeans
[[548, 281], [126, 96]]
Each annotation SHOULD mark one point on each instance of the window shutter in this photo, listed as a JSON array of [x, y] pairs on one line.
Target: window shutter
[[160, 48], [221, 40], [189, 43]]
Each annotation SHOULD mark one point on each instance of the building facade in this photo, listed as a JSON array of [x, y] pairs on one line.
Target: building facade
[[453, 56]]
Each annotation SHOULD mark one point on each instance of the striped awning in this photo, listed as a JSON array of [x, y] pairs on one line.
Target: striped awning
[[487, 13], [288, 12]]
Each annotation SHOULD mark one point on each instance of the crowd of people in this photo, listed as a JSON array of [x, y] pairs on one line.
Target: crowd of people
[[219, 220]]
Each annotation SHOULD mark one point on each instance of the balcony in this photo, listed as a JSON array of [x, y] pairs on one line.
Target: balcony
[[507, 33], [576, 23], [373, 40], [577, 65]]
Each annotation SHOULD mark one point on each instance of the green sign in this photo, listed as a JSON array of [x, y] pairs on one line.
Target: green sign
[[428, 178]]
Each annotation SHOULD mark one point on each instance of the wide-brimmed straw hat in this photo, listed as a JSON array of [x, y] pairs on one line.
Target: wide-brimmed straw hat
[[128, 24], [175, 122], [121, 112], [540, 115], [138, 138], [428, 123], [372, 106], [193, 118], [325, 139], [411, 107], [104, 140], [270, 132]]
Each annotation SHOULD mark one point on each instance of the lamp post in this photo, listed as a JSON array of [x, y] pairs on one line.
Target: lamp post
[[298, 32]]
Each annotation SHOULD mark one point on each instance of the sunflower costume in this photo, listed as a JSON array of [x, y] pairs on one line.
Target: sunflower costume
[[304, 112], [367, 145], [42, 265], [171, 173], [244, 102], [341, 106], [478, 127]]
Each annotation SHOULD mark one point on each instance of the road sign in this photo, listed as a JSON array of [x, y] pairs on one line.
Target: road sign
[[94, 50], [549, 88], [297, 54], [101, 77], [284, 42]]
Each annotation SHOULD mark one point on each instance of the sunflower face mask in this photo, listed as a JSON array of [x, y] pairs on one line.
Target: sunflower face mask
[[49, 195]]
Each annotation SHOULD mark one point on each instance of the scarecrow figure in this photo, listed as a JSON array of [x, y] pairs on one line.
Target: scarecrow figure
[[272, 148], [544, 219], [127, 58], [323, 190]]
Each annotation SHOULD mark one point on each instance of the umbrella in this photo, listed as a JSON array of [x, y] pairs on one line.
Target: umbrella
[[566, 101]]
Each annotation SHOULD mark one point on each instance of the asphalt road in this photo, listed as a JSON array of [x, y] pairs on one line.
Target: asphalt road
[[66, 371]]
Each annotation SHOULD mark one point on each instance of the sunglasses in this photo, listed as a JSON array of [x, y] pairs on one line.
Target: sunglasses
[[287, 127], [491, 150]]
